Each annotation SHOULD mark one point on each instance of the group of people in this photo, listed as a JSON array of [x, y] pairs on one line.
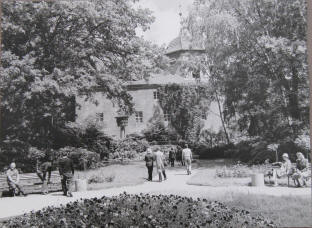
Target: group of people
[[66, 170], [299, 173], [159, 158]]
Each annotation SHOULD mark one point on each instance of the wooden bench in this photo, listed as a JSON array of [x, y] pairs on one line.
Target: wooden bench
[[31, 183], [271, 167]]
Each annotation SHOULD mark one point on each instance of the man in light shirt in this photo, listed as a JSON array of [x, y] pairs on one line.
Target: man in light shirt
[[187, 159], [13, 179]]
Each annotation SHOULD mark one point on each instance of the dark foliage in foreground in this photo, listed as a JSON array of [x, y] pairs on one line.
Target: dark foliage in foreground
[[140, 211]]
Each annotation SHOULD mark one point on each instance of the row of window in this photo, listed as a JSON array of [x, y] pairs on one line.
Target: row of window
[[139, 116]]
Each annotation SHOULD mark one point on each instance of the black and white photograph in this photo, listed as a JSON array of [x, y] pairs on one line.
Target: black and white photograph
[[155, 113]]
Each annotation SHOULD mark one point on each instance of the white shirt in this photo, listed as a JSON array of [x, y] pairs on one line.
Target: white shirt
[[186, 153]]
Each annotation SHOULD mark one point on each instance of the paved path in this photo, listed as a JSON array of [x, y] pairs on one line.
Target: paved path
[[176, 184]]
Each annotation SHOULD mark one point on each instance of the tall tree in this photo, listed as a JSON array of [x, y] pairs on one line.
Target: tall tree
[[54, 50], [256, 60]]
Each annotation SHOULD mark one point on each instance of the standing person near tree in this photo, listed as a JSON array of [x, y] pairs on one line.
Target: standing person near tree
[[159, 158], [187, 158], [42, 170], [179, 155], [66, 169], [149, 160], [172, 157]]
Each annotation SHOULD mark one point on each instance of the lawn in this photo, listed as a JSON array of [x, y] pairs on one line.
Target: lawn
[[206, 176], [116, 175], [285, 211]]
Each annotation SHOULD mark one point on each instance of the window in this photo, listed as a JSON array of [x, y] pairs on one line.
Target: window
[[204, 115], [166, 116], [156, 95], [139, 117], [99, 116]]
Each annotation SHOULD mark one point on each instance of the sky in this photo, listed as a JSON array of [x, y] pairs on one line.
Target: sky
[[167, 20]]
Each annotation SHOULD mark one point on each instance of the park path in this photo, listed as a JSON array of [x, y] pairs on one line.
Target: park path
[[176, 184]]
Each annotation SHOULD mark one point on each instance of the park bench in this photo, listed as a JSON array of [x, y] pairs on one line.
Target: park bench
[[270, 167], [31, 183]]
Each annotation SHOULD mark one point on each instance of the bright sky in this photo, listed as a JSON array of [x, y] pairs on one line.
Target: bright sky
[[167, 20]]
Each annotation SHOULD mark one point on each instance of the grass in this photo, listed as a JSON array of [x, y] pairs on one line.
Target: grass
[[285, 211], [206, 176], [117, 175]]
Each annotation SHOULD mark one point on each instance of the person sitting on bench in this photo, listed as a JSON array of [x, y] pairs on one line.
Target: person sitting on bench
[[42, 170], [301, 170], [13, 180], [284, 170]]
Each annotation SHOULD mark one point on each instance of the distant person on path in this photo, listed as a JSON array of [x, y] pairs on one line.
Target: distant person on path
[[284, 170], [301, 170], [42, 170], [179, 155], [159, 158], [13, 179], [172, 157], [66, 169], [149, 160], [187, 158]]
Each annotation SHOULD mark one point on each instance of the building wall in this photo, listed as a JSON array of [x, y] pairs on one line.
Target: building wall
[[144, 102]]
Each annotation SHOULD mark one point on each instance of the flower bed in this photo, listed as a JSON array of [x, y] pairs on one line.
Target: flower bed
[[142, 210], [239, 171]]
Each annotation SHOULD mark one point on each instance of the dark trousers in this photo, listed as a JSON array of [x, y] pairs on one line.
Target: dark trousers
[[15, 188], [67, 182], [150, 172], [172, 162], [42, 177], [164, 174]]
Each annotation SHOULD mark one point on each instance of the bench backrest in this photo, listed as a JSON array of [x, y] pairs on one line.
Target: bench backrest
[[29, 179]]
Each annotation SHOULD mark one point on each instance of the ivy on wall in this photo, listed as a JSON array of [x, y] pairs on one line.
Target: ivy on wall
[[185, 104]]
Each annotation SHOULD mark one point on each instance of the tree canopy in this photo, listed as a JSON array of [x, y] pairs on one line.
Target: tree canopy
[[256, 59], [54, 50]]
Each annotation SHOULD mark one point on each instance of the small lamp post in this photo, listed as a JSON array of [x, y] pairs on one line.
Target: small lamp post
[[274, 147]]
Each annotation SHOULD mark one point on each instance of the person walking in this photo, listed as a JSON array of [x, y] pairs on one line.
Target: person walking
[[179, 155], [66, 169], [172, 157], [149, 160], [159, 158], [13, 179], [42, 170], [187, 159]]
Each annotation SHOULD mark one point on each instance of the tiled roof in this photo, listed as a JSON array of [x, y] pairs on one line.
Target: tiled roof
[[174, 45], [178, 44]]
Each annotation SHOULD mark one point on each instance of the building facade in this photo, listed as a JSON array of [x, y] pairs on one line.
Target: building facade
[[145, 98]]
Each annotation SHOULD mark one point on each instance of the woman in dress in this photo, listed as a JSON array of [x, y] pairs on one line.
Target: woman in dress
[[301, 171], [159, 158]]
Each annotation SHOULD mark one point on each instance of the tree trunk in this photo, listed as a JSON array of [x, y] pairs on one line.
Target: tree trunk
[[222, 119]]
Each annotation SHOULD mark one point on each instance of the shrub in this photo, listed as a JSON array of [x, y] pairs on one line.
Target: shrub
[[82, 158], [206, 152], [128, 148], [142, 210], [100, 178], [16, 151], [87, 136], [239, 170]]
